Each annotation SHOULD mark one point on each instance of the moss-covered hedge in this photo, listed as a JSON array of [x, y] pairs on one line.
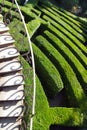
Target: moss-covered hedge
[[64, 33], [81, 21], [33, 26], [69, 78], [42, 107], [65, 29], [74, 24], [74, 62], [66, 39], [48, 74], [21, 41], [72, 47], [62, 25], [60, 13]]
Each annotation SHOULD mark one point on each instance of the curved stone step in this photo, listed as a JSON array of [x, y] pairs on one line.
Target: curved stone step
[[12, 93], [6, 39], [12, 109], [10, 124], [11, 82], [8, 52], [3, 27], [10, 66], [12, 79]]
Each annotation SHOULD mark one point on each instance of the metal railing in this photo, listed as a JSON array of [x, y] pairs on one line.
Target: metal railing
[[12, 17]]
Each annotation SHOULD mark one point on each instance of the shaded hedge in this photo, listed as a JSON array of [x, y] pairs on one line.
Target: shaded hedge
[[69, 78], [48, 74], [70, 57]]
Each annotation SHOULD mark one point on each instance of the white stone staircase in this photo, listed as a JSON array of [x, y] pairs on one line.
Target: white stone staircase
[[11, 82]]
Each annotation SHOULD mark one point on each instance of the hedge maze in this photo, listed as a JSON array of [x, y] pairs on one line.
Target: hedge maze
[[59, 44]]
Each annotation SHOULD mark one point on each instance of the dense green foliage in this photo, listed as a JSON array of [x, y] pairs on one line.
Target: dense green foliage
[[33, 26], [59, 44], [74, 92], [48, 74]]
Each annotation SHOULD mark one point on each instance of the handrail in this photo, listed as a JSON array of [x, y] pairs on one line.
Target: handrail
[[33, 66]]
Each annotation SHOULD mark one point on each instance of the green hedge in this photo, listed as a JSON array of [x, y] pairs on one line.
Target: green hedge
[[74, 49], [28, 14], [45, 116], [63, 116], [60, 22], [65, 34], [28, 89], [41, 107], [37, 12], [32, 26], [66, 39], [73, 17], [17, 31], [58, 12], [48, 74], [41, 99], [76, 27], [58, 116], [75, 20], [65, 28], [74, 90], [80, 71]]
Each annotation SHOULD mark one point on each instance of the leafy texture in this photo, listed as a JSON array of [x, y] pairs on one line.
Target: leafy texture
[[59, 42]]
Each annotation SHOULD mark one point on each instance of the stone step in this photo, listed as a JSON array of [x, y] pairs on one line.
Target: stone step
[[10, 124], [12, 79], [10, 66], [6, 39], [12, 109], [8, 52], [12, 93], [3, 27]]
